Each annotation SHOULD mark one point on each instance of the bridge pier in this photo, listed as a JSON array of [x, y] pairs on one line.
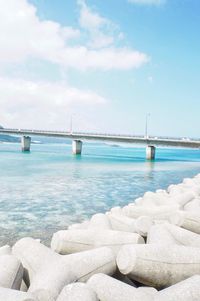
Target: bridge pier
[[150, 152], [77, 147], [26, 143]]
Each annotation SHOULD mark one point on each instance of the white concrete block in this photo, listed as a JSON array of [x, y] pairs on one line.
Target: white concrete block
[[193, 206], [11, 272], [190, 221], [7, 294], [158, 266], [50, 272], [171, 234], [186, 290], [116, 210], [5, 250], [169, 213], [149, 291], [51, 279], [88, 263], [33, 255], [71, 241], [110, 289], [77, 292], [100, 221], [141, 225]]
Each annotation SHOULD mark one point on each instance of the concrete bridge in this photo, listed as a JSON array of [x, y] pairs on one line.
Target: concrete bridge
[[78, 137]]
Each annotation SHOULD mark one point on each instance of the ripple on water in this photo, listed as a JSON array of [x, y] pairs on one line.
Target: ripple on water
[[48, 189]]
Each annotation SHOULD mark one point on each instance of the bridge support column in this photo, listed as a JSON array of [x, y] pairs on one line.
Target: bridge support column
[[150, 152], [26, 143], [77, 147]]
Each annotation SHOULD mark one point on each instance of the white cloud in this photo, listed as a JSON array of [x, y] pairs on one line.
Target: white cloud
[[90, 19], [147, 2], [24, 36], [42, 104], [101, 30]]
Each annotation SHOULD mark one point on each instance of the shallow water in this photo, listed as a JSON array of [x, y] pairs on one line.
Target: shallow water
[[49, 188]]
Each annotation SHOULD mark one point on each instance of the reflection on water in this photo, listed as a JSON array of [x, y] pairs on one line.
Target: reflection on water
[[150, 166], [50, 188]]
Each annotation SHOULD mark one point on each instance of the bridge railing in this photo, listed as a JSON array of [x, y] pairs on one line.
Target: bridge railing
[[93, 134]]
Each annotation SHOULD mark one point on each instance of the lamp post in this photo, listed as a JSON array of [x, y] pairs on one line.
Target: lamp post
[[146, 125], [71, 124]]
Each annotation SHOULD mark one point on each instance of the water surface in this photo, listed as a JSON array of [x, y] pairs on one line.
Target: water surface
[[49, 188]]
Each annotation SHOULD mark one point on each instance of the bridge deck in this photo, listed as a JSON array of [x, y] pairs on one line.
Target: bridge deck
[[106, 137]]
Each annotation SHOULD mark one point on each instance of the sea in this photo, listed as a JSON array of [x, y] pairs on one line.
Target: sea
[[49, 189]]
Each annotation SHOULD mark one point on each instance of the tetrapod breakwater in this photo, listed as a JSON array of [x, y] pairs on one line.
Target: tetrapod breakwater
[[148, 250]]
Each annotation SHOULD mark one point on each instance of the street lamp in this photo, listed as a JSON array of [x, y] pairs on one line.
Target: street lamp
[[71, 124], [146, 125]]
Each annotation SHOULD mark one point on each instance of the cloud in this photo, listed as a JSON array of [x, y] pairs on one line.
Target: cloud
[[24, 36], [147, 2], [101, 30], [36, 104], [89, 19]]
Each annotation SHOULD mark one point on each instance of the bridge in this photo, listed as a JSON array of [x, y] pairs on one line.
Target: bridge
[[78, 137]]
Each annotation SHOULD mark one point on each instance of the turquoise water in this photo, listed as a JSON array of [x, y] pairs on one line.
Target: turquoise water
[[49, 188]]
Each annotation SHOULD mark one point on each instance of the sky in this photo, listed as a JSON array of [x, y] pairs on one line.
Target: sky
[[105, 65]]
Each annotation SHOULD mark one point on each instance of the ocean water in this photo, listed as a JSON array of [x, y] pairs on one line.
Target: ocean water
[[48, 189]]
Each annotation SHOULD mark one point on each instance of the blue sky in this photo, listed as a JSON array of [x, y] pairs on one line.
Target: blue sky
[[106, 63]]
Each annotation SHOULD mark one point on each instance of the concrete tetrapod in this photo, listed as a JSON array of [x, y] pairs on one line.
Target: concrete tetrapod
[[116, 210], [50, 276], [190, 221], [76, 292], [158, 266], [193, 206], [171, 234], [186, 290], [88, 263], [33, 255], [183, 193], [141, 225], [110, 289], [155, 199], [75, 267], [100, 221], [182, 198], [169, 213], [158, 234], [11, 272], [7, 294], [71, 241], [5, 250]]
